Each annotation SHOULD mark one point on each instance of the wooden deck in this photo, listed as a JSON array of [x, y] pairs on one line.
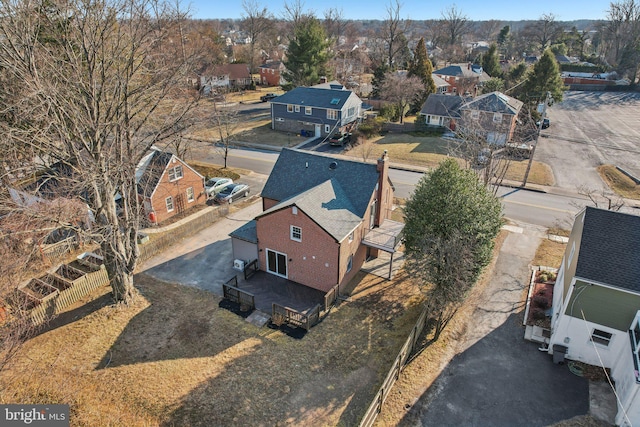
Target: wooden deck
[[269, 289]]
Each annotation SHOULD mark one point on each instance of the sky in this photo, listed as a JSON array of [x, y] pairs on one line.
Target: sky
[[475, 10]]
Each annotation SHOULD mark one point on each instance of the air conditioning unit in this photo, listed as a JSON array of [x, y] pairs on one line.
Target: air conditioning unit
[[238, 264]]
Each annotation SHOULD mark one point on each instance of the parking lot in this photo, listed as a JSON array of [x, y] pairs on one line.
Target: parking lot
[[589, 129]]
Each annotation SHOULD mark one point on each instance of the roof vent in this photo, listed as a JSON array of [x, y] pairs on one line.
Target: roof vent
[[333, 165]]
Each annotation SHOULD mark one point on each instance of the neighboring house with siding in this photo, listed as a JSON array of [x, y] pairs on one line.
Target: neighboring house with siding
[[316, 111], [442, 110], [464, 79], [322, 217], [224, 78], [167, 185], [596, 302]]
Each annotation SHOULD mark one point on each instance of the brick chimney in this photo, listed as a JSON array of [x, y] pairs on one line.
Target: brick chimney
[[384, 193]]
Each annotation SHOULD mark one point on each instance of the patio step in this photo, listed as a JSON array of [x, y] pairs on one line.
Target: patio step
[[258, 318]]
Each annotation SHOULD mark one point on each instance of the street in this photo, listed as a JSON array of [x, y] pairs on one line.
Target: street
[[521, 206]]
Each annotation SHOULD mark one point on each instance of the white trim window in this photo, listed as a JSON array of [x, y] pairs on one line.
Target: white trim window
[[308, 111], [497, 117], [351, 111], [297, 108], [289, 108], [169, 203], [601, 337], [296, 233], [351, 235], [327, 128], [176, 173], [350, 263], [191, 196], [332, 114]]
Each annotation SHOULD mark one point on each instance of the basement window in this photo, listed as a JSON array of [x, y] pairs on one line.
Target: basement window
[[601, 337]]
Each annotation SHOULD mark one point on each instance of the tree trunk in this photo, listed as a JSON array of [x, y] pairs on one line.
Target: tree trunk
[[122, 288]]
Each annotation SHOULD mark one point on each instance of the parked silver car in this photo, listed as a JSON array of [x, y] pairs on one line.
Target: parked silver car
[[214, 185]]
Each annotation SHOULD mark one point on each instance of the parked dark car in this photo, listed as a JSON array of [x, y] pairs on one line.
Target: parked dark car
[[268, 97], [545, 123], [232, 192], [340, 139]]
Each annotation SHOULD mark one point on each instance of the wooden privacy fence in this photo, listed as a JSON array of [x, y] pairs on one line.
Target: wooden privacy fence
[[393, 374], [246, 300], [68, 290], [281, 315]]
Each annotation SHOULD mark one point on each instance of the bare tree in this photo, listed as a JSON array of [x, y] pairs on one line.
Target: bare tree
[[602, 198], [545, 30], [256, 21], [401, 91], [489, 29], [225, 123], [334, 23], [394, 30], [104, 83], [456, 25]]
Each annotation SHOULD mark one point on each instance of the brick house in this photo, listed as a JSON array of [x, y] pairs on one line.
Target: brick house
[[322, 218], [271, 73], [316, 111], [491, 115], [167, 185]]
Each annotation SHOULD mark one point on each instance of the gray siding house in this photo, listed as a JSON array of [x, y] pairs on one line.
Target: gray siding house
[[316, 111]]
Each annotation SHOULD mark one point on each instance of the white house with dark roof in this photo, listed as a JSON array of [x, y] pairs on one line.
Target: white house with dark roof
[[596, 302], [322, 218], [442, 110], [316, 111]]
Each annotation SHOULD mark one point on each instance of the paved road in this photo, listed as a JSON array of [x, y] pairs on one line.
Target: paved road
[[497, 378], [589, 129]]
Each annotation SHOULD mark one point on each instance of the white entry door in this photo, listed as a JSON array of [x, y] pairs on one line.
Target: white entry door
[[318, 131]]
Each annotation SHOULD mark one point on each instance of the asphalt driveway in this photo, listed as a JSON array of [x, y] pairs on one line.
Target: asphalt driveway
[[497, 378], [204, 260]]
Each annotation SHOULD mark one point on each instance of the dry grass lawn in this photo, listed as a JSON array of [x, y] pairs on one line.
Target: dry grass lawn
[[549, 253], [175, 358], [619, 182]]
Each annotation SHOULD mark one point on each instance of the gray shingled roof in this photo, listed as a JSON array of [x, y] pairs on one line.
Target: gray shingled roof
[[328, 204], [610, 249], [463, 70], [442, 105], [315, 97], [247, 232], [298, 171], [496, 102], [152, 172]]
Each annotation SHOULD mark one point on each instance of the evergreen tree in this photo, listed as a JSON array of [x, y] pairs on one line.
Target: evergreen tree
[[544, 77], [451, 221], [421, 67], [308, 54], [491, 62], [378, 80]]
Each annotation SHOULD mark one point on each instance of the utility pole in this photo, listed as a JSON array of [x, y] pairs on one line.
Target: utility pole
[[535, 144]]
